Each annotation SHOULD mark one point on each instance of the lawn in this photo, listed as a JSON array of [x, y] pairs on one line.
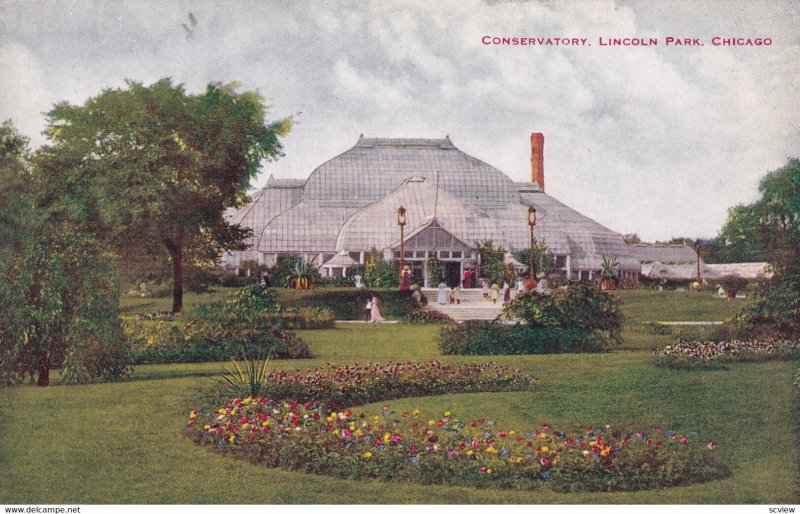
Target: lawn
[[123, 442]]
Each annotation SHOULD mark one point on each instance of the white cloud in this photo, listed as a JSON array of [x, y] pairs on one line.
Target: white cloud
[[674, 136]]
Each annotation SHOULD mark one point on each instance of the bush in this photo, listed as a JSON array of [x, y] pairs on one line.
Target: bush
[[162, 342], [335, 282], [422, 316], [348, 304], [490, 338], [774, 312], [582, 306], [444, 450]]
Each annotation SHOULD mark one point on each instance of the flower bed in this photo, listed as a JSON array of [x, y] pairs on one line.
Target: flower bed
[[444, 450], [338, 387], [709, 354]]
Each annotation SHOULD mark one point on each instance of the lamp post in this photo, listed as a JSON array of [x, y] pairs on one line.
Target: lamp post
[[401, 221], [531, 283], [697, 251]]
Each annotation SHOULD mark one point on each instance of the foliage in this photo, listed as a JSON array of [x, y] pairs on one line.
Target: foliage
[[337, 387], [775, 310], [610, 268], [732, 282], [422, 316], [162, 342], [434, 268], [158, 167], [710, 354], [58, 287], [493, 265], [545, 262], [250, 378], [491, 338], [335, 282], [302, 276], [348, 304], [582, 306], [280, 272], [444, 450], [378, 272]]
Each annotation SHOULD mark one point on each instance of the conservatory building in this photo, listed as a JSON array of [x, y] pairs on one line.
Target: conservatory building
[[452, 202]]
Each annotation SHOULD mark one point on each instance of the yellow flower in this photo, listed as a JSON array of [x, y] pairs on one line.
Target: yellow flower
[[489, 471], [513, 432], [221, 411], [192, 415], [542, 436], [232, 438], [386, 437], [352, 426], [265, 423], [247, 400], [545, 448], [368, 455], [490, 450], [359, 433], [470, 452], [206, 427], [245, 426], [447, 413], [416, 412], [431, 422]]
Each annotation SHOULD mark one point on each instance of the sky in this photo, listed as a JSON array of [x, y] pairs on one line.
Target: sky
[[659, 140]]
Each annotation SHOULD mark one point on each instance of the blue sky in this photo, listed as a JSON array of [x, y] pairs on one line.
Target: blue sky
[[656, 140]]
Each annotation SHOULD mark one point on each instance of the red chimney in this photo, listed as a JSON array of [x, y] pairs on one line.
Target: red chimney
[[537, 159]]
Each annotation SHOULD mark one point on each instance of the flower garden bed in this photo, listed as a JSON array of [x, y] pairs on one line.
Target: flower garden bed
[[710, 354], [337, 387], [444, 450]]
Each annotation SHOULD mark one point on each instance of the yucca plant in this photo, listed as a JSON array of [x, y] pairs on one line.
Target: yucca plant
[[249, 378]]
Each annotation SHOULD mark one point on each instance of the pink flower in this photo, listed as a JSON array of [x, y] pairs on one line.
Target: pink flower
[[544, 461], [711, 445]]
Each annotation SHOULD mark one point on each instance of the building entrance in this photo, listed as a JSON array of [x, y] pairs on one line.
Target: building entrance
[[452, 273]]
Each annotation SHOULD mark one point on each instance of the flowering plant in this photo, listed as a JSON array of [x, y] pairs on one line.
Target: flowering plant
[[706, 354], [445, 450], [338, 387]]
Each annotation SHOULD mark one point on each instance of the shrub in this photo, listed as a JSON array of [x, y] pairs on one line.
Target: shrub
[[348, 304], [162, 342], [444, 450], [775, 311], [335, 282], [490, 338], [422, 316], [582, 306]]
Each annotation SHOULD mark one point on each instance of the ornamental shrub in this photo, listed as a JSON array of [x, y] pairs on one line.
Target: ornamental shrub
[[423, 317], [490, 338]]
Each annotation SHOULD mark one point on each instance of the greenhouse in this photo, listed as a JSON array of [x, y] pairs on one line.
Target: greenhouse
[[451, 202]]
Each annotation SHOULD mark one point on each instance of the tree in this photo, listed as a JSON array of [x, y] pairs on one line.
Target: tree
[[57, 286], [544, 260], [158, 167], [378, 272]]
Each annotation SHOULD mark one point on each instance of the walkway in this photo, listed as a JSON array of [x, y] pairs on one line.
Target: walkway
[[472, 306]]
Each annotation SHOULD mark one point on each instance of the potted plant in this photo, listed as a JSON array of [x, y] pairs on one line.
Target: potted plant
[[732, 285], [302, 277], [608, 274]]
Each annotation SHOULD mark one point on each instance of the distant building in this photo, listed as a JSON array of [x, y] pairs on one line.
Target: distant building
[[453, 201]]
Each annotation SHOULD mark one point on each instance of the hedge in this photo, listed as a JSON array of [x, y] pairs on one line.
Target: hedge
[[490, 338], [348, 304]]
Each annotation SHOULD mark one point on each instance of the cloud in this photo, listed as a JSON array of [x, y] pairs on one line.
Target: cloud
[[654, 140]]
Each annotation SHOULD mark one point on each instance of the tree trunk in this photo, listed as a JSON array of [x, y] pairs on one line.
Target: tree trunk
[[44, 371], [177, 272]]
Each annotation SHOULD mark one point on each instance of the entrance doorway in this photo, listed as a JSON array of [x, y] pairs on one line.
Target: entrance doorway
[[452, 273]]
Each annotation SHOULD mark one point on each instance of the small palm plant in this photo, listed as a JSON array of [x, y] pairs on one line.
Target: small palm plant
[[608, 274], [249, 378]]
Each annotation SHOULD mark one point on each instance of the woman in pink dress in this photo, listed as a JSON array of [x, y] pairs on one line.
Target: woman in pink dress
[[376, 314], [485, 287]]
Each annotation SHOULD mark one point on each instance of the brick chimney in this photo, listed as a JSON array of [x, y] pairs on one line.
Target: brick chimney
[[537, 159]]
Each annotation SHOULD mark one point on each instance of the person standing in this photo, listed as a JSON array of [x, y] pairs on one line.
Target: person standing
[[457, 295], [441, 298], [495, 291], [467, 278], [485, 287], [375, 313], [368, 311], [506, 293], [405, 278]]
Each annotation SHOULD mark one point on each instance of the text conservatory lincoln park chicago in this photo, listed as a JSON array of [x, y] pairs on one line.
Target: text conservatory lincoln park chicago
[[452, 202]]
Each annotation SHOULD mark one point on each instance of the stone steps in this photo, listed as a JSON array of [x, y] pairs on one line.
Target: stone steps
[[473, 305]]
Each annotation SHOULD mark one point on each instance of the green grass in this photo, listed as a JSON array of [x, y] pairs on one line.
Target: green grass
[[642, 305], [123, 442]]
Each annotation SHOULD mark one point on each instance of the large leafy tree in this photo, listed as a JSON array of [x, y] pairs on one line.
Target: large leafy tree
[[157, 167], [57, 286]]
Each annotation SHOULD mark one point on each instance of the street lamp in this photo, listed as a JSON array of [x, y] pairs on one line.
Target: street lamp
[[532, 223], [401, 221], [697, 250]]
